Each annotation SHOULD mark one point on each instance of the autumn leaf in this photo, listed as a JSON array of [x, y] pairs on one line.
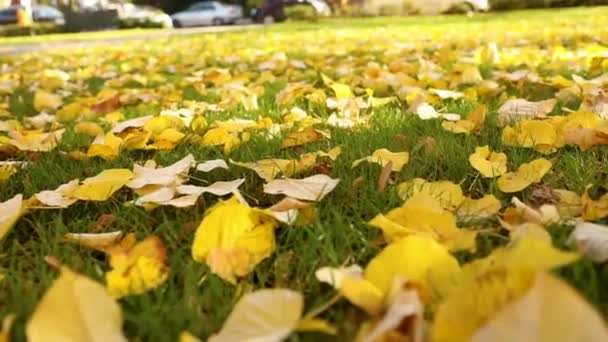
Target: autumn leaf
[[383, 157], [526, 175], [138, 268], [549, 311], [10, 211], [102, 186], [489, 164], [75, 308], [313, 188], [517, 109], [305, 136], [232, 248]]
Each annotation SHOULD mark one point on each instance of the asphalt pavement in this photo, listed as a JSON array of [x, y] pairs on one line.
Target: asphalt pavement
[[79, 43]]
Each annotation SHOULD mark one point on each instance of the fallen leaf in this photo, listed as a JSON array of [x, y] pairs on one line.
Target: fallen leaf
[[591, 240], [10, 211], [305, 136], [384, 176], [594, 209], [383, 157], [137, 269], [423, 215], [150, 175], [43, 100], [102, 186], [210, 165], [526, 175], [489, 164], [313, 188], [100, 242], [516, 109], [75, 308], [449, 194], [233, 247], [485, 207], [585, 138], [268, 169], [264, 315], [549, 311], [60, 197]]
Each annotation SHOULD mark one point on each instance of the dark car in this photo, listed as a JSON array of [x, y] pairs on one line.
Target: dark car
[[274, 10], [40, 14]]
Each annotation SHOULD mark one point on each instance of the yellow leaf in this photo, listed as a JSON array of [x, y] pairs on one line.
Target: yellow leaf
[[304, 136], [568, 203], [6, 171], [106, 147], [233, 247], [185, 336], [485, 207], [75, 309], [419, 260], [540, 135], [594, 209], [422, 215], [102, 186], [269, 315], [550, 311], [489, 164], [137, 269], [5, 331], [449, 194], [268, 169], [471, 306], [88, 128], [342, 90], [363, 294], [43, 100], [526, 174], [384, 156], [10, 211]]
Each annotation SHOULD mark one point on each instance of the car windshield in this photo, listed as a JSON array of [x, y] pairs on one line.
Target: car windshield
[[202, 6]]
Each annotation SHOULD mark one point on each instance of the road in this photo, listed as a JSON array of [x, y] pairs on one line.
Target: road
[[79, 43]]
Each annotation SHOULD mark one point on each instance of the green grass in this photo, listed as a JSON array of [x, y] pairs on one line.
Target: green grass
[[340, 234]]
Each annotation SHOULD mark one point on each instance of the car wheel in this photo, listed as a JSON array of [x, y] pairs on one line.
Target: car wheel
[[177, 24], [268, 20], [217, 22]]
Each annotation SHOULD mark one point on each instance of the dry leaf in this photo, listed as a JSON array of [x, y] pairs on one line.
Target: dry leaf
[[313, 188], [489, 164], [383, 157], [384, 176], [550, 311], [526, 175], [517, 109], [75, 309], [305, 136], [591, 240], [10, 211]]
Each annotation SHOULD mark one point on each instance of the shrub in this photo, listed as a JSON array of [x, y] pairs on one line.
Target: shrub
[[301, 13]]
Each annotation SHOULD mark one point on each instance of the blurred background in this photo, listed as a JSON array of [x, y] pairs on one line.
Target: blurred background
[[30, 17]]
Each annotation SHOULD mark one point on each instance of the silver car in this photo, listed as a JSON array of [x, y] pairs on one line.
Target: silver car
[[207, 13]]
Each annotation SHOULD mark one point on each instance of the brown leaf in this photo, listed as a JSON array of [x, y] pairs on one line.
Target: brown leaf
[[189, 227], [357, 184], [585, 138], [107, 105], [542, 194], [428, 145], [288, 203], [402, 139], [104, 221], [385, 176]]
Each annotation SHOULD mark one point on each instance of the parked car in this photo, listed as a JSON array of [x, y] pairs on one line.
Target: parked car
[[142, 16], [207, 13], [40, 14], [274, 10]]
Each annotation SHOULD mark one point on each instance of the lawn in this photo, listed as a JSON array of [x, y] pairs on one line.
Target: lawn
[[298, 88]]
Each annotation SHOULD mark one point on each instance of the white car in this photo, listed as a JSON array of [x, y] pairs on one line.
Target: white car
[[207, 13]]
